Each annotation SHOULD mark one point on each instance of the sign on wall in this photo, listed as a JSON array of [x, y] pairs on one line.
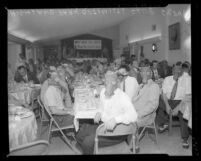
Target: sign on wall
[[87, 44]]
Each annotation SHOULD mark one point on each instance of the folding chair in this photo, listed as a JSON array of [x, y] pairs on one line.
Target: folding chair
[[44, 117], [172, 123], [121, 148], [55, 127], [39, 147], [147, 122]]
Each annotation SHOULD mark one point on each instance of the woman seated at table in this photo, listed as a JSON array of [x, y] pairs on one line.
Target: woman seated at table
[[116, 107], [52, 97]]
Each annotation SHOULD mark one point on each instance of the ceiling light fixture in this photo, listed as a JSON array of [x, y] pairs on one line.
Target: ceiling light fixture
[[187, 15]]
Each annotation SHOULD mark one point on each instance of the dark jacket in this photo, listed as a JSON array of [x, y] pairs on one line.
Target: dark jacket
[[18, 78], [163, 73], [153, 76]]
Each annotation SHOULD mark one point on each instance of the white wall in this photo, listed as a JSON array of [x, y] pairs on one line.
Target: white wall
[[139, 27], [148, 53], [13, 51], [184, 53], [111, 33]]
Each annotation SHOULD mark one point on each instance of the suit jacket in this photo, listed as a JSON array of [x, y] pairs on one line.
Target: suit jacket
[[18, 78], [153, 76], [147, 100]]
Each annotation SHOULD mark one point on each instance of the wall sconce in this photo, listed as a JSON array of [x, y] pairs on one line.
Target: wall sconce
[[154, 47]]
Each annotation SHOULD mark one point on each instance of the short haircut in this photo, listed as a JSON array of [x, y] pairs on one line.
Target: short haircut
[[123, 55], [185, 66], [21, 67], [126, 67], [154, 61], [178, 63]]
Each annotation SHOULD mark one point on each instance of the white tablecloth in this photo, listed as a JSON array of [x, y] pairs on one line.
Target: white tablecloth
[[22, 131], [85, 114], [25, 95], [22, 95]]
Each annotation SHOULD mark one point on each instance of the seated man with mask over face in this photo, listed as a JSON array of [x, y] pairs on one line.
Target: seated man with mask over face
[[147, 98], [116, 107], [53, 97]]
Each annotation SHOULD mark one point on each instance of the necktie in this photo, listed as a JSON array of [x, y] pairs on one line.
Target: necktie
[[124, 86], [140, 88], [174, 90]]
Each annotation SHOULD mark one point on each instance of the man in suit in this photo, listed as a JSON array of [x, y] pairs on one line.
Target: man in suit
[[155, 74], [135, 71], [147, 99], [148, 95], [22, 75], [164, 69]]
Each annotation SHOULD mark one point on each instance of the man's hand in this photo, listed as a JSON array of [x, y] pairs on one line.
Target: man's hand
[[168, 109], [175, 111], [109, 125], [97, 117]]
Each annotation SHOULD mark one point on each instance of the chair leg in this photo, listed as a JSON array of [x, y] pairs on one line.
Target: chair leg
[[49, 133], [134, 143], [41, 124], [156, 133], [170, 124], [68, 142], [96, 146]]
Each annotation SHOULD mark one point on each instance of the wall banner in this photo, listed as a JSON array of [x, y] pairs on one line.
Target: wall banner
[[87, 44]]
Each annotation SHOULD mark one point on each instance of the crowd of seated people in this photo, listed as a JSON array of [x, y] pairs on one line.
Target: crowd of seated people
[[129, 86]]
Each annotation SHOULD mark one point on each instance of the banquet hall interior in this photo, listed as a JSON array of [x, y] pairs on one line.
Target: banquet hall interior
[[79, 77]]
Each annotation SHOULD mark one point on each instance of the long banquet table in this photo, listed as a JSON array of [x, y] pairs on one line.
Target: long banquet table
[[87, 102], [86, 109]]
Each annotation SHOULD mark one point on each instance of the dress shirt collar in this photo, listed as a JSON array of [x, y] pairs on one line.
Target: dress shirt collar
[[185, 74]]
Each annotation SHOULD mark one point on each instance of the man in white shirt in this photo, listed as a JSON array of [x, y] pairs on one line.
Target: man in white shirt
[[175, 88], [128, 84], [53, 98], [116, 108]]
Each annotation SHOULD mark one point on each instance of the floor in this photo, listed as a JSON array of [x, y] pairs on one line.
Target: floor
[[170, 145]]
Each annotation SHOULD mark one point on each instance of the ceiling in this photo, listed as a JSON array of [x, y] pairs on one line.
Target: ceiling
[[49, 25]]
